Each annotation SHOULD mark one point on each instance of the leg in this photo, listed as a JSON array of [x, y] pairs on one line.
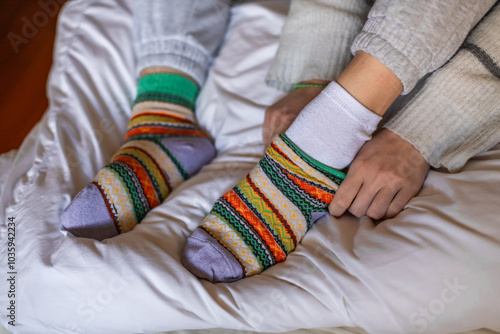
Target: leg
[[260, 221], [163, 145]]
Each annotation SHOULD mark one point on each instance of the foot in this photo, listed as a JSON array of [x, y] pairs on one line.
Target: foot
[[163, 147], [263, 218]]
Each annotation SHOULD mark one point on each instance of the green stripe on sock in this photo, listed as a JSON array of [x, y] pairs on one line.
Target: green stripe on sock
[[119, 173], [332, 173], [170, 84], [165, 97], [304, 206]]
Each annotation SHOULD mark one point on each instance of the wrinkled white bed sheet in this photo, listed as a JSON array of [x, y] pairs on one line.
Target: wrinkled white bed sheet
[[434, 268]]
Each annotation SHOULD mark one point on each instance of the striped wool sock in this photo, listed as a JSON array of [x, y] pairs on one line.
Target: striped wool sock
[[263, 218], [163, 147]]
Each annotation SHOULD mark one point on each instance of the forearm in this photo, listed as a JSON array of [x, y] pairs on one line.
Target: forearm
[[179, 34]]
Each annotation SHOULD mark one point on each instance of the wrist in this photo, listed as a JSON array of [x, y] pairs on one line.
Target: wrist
[[371, 83]]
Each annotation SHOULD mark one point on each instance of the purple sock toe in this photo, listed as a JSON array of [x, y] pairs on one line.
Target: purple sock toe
[[87, 216], [192, 153], [206, 258]]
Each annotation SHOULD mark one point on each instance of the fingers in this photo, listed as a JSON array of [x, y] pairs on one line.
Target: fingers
[[277, 119], [268, 127], [381, 203], [370, 201], [345, 195], [363, 200], [386, 174], [281, 114], [399, 202]]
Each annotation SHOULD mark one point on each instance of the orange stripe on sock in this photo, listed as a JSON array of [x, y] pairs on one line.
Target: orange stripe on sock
[[311, 190], [153, 161], [250, 217], [155, 130], [274, 210], [143, 177]]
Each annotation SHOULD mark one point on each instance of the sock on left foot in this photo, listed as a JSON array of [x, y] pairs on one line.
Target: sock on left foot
[[163, 147]]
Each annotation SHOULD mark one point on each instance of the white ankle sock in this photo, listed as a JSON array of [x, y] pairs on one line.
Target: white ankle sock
[[333, 127]]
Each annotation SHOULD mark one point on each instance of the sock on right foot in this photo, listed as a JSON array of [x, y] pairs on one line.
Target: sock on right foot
[[333, 127], [261, 220]]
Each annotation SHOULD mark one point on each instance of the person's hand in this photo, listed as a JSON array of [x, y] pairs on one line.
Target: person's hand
[[387, 172], [281, 114]]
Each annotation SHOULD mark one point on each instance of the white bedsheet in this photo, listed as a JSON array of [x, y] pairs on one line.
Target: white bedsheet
[[434, 268]]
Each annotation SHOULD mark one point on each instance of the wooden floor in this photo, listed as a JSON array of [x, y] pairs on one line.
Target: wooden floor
[[27, 29]]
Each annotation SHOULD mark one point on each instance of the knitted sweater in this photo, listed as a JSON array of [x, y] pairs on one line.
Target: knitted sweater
[[412, 38], [456, 114]]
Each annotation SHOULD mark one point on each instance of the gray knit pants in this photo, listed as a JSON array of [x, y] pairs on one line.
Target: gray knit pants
[[182, 34]]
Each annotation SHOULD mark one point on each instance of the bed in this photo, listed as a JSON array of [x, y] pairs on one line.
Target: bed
[[434, 268]]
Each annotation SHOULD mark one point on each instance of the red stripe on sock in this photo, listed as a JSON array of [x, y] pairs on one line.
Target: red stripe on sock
[[274, 210], [143, 177], [158, 167], [157, 130], [252, 219], [323, 196]]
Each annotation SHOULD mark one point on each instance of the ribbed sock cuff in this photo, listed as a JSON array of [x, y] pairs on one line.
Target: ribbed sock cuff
[[332, 173], [167, 87], [333, 127]]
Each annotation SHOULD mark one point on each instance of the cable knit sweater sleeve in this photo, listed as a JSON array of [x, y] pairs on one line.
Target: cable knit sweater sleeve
[[413, 38], [456, 114], [316, 40]]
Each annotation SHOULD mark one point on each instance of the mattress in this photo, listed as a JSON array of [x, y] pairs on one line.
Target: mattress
[[434, 268]]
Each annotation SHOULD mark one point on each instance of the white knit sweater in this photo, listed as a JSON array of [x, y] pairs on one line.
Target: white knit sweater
[[455, 115]]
